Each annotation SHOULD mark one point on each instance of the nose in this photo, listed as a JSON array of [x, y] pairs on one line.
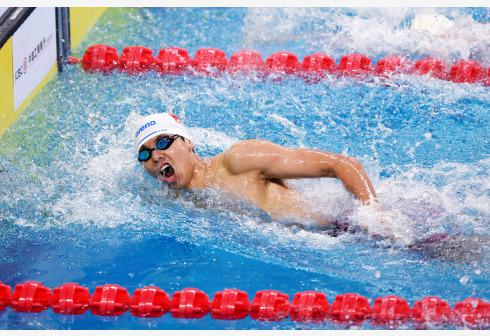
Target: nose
[[157, 155]]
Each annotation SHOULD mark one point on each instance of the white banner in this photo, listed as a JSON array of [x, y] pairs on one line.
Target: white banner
[[34, 52]]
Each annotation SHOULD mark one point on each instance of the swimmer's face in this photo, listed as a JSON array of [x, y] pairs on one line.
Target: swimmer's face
[[172, 165]]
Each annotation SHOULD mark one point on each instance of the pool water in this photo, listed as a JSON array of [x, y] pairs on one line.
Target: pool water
[[77, 207]]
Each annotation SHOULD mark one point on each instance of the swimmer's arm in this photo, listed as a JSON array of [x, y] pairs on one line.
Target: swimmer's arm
[[273, 161]]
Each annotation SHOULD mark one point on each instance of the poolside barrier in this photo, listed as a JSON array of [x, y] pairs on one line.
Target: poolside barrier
[[234, 304], [34, 45], [314, 67]]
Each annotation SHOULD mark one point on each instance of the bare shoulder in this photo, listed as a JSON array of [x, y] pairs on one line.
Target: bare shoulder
[[238, 152], [250, 146], [250, 155]]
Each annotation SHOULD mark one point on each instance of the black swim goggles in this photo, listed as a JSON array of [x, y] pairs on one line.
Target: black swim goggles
[[162, 143]]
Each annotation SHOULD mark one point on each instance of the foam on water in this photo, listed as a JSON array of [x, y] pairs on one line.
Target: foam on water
[[439, 32], [413, 206], [110, 189]]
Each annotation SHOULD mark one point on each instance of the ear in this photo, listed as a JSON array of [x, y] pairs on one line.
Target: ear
[[190, 145]]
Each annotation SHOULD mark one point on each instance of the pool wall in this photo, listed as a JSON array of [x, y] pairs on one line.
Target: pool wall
[[29, 52], [81, 20]]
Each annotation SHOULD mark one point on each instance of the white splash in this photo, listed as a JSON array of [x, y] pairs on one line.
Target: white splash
[[412, 206], [447, 34]]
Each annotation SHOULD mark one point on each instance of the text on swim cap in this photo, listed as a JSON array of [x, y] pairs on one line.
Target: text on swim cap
[[148, 124]]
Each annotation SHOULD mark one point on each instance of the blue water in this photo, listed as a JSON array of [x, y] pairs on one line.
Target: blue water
[[77, 207]]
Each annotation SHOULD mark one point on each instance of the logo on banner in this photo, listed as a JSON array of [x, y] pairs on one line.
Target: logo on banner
[[34, 54]]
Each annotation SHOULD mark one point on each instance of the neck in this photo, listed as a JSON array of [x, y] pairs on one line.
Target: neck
[[201, 177]]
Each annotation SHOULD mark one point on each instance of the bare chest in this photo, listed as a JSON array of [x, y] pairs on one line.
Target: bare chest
[[272, 196]]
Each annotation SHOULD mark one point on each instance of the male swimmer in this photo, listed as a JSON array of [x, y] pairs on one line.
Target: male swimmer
[[254, 170]]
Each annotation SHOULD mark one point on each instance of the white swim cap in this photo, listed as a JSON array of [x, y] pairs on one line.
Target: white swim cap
[[156, 124]]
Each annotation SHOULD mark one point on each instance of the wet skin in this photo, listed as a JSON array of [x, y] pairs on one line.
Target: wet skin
[[256, 170]]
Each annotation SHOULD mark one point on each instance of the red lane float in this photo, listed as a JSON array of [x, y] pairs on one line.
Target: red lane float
[[230, 304], [317, 65], [110, 300], [269, 305], [350, 307], [31, 297], [233, 304], [390, 310], [431, 66], [466, 72], [283, 62], [5, 291], [136, 59], [354, 65], [174, 61], [392, 64], [149, 301], [472, 312], [70, 299], [309, 306], [246, 61], [189, 303], [210, 61], [100, 58], [431, 309]]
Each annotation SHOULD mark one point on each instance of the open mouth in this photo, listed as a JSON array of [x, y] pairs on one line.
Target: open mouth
[[167, 170], [167, 174]]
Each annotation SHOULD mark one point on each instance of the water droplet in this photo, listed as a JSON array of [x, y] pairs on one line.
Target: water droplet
[[478, 272], [464, 279], [377, 275]]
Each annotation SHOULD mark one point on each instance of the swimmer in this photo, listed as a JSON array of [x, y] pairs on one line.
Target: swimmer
[[254, 170]]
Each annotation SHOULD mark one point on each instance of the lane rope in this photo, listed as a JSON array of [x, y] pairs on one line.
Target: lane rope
[[234, 304], [313, 68]]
